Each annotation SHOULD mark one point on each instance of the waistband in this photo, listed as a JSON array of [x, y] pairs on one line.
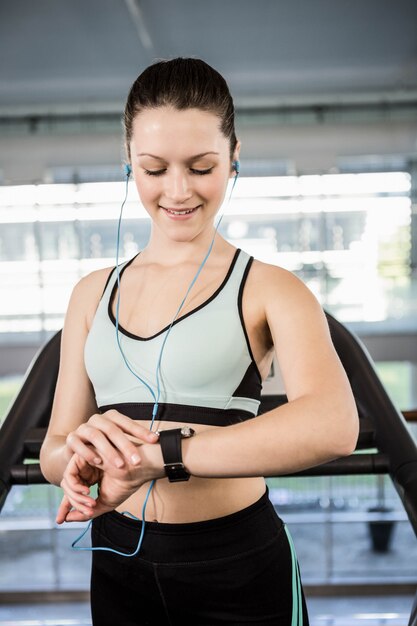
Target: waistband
[[244, 530], [171, 412]]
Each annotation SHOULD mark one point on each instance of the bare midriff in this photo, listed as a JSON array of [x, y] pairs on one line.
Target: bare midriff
[[195, 500]]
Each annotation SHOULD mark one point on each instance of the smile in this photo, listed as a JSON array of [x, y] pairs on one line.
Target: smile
[[182, 212]]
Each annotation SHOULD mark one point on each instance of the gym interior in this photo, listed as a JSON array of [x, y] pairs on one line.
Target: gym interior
[[325, 95]]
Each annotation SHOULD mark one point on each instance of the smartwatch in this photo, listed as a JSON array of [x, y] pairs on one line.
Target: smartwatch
[[170, 441]]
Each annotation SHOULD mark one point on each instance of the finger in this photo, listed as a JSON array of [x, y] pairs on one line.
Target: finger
[[80, 475], [77, 485], [78, 446], [131, 427], [79, 499], [76, 500], [118, 438], [82, 514], [79, 502], [78, 516], [102, 440], [70, 514], [63, 510]]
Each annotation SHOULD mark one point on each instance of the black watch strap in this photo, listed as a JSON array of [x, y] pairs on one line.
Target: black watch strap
[[170, 441]]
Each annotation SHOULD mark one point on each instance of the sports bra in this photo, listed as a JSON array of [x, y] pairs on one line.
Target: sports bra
[[207, 372]]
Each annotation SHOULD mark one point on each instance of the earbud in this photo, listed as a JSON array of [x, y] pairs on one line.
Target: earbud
[[236, 167], [128, 169]]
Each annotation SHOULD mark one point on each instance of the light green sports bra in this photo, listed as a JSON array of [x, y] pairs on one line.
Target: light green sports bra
[[207, 374]]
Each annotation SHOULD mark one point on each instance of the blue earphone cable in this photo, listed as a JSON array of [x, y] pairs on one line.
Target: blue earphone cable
[[102, 548], [128, 170], [118, 288]]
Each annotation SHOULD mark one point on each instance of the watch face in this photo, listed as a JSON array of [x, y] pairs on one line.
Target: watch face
[[186, 431]]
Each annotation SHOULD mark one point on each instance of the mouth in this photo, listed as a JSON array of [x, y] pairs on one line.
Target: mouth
[[180, 213]]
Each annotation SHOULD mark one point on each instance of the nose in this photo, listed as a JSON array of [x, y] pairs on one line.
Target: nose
[[177, 186]]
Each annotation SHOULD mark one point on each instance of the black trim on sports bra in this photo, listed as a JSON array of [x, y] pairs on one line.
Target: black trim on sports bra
[[249, 386], [169, 412], [137, 337], [239, 303], [107, 282], [111, 274]]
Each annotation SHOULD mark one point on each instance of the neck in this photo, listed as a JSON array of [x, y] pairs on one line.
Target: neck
[[165, 251]]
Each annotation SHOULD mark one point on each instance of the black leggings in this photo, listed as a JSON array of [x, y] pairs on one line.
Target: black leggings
[[232, 570]]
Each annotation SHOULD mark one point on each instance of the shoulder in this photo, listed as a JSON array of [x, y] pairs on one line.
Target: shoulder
[[96, 280], [275, 282], [287, 304], [88, 291]]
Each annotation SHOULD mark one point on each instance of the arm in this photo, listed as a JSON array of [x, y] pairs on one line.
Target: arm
[[74, 399], [75, 425], [320, 421]]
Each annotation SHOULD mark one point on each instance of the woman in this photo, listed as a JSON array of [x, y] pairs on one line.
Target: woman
[[134, 361]]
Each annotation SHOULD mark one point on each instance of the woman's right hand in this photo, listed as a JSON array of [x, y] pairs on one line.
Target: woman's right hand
[[107, 438]]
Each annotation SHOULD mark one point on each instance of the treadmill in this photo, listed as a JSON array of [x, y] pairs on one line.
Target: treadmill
[[383, 428]]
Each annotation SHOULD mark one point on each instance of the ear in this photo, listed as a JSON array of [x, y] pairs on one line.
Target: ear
[[235, 157]]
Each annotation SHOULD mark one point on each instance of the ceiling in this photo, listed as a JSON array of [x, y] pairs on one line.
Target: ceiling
[[317, 84], [61, 56]]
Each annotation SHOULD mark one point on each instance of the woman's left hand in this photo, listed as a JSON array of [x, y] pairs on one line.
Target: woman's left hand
[[115, 485]]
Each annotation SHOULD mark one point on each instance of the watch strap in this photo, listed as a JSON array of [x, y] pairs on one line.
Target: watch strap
[[170, 441]]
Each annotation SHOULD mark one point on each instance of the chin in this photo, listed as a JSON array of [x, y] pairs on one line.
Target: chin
[[183, 232], [179, 235], [183, 237]]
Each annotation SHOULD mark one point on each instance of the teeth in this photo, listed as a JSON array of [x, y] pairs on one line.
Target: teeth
[[180, 212]]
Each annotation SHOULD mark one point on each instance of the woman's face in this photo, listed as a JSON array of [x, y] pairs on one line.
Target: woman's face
[[181, 167]]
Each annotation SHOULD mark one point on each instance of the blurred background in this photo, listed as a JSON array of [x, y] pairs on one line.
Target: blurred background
[[326, 110]]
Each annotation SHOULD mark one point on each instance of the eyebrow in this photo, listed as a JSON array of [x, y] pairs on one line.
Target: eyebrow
[[193, 158]]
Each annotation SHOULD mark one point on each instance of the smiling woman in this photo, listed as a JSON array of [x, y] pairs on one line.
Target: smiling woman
[[184, 353]]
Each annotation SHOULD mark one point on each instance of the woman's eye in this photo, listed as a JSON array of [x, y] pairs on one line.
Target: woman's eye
[[154, 172], [201, 172], [192, 170]]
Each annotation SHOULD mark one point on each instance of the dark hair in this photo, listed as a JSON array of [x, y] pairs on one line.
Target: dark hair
[[182, 83]]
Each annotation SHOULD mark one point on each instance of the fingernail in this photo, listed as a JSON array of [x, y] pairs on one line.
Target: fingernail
[[97, 461], [154, 436], [118, 462], [135, 458]]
